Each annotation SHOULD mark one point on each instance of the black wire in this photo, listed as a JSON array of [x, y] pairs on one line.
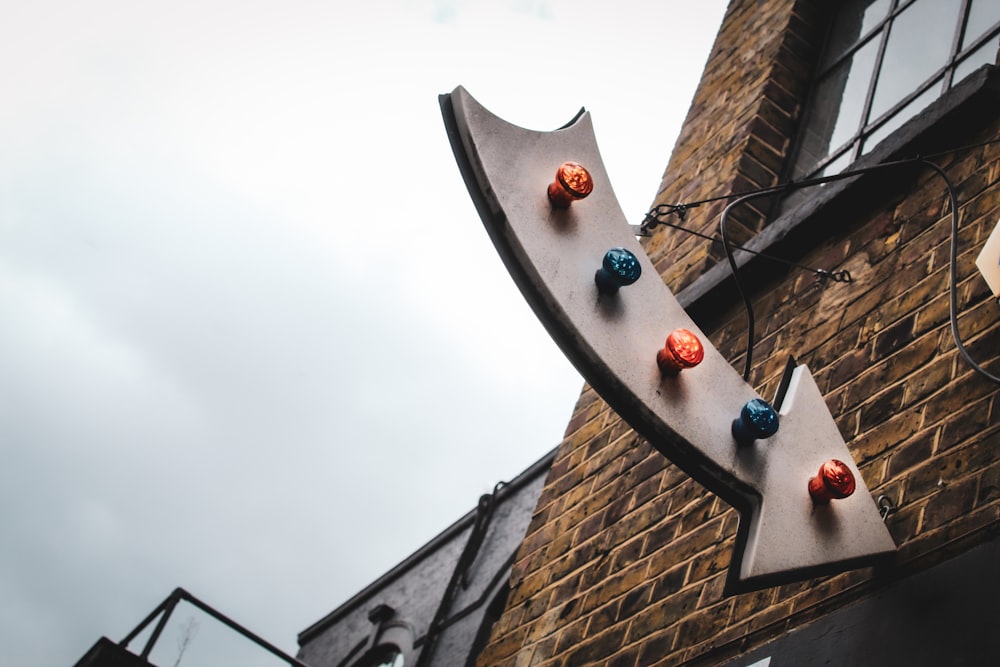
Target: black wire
[[953, 257], [681, 209], [723, 230], [842, 276], [953, 278]]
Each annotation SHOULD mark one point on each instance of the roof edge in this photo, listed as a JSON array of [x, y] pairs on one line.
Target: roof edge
[[539, 467]]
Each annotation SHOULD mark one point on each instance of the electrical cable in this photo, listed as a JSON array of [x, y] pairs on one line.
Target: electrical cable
[[953, 256], [681, 209], [842, 276], [953, 277], [723, 230]]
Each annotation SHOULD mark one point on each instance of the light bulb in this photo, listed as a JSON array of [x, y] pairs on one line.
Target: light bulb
[[572, 182], [757, 420], [682, 350], [619, 268], [834, 480]]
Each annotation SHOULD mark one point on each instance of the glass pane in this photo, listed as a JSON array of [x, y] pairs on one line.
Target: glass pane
[[982, 15], [985, 54], [796, 197], [901, 116], [836, 112], [919, 45], [854, 20], [837, 165]]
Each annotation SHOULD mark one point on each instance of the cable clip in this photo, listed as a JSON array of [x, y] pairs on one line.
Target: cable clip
[[885, 507], [652, 220], [843, 276]]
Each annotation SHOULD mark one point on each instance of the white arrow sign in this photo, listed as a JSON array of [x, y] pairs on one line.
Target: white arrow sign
[[613, 339]]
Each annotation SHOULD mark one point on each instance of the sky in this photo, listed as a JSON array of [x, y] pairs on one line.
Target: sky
[[254, 340]]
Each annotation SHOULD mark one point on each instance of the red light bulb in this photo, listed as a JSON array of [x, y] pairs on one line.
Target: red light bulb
[[834, 480], [682, 350], [572, 182]]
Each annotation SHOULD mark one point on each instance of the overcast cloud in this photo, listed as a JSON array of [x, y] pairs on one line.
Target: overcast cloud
[[253, 338]]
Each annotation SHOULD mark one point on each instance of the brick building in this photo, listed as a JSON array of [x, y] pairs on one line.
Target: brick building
[[437, 606], [624, 561], [606, 554]]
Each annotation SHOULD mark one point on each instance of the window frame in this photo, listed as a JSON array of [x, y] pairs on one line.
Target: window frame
[[859, 143], [961, 108]]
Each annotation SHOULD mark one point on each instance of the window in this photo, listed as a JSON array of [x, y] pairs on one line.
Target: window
[[884, 62], [385, 656]]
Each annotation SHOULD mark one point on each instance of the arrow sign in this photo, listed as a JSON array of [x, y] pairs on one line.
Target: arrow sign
[[613, 339]]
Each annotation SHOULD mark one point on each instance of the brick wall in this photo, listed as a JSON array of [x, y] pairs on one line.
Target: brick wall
[[624, 561], [739, 126]]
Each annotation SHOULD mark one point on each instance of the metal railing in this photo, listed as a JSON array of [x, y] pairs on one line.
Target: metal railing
[[166, 608]]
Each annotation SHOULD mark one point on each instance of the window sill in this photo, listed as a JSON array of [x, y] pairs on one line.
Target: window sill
[[969, 105]]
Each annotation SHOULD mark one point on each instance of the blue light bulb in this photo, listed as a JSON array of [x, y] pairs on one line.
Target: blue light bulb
[[619, 268], [757, 420]]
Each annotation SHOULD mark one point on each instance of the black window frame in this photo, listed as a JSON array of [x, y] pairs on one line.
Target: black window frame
[[963, 110], [840, 157]]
